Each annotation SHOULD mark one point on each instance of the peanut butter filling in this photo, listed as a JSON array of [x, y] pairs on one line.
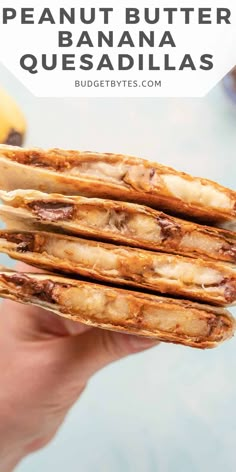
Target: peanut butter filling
[[161, 272], [132, 173], [131, 224], [106, 306]]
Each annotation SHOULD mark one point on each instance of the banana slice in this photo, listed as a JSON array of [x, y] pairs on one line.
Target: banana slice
[[12, 121]]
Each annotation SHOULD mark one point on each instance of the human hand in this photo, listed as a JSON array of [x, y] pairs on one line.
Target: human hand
[[45, 364]]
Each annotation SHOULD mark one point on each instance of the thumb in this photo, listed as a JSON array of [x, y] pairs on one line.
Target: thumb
[[94, 349]]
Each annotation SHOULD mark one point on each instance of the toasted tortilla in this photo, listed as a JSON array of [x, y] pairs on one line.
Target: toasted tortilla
[[119, 178], [197, 279], [164, 319], [119, 222]]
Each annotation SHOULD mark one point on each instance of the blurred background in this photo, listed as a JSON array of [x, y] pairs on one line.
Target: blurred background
[[173, 408]]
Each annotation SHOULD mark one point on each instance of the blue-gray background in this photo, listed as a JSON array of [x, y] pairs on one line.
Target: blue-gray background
[[171, 409]]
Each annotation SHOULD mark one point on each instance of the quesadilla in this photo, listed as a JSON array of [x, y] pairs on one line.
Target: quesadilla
[[119, 222], [168, 320], [196, 279], [117, 177]]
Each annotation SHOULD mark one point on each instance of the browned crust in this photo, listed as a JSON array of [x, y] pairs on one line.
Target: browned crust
[[48, 291], [40, 171], [65, 217], [134, 266]]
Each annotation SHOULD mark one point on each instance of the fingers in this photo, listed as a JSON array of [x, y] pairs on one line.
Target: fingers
[[81, 348], [93, 350], [31, 322], [22, 267], [27, 322]]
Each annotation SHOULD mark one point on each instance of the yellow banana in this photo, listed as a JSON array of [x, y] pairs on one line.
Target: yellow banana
[[12, 121]]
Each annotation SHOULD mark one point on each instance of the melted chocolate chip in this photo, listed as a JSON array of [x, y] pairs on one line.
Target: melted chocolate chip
[[230, 292], [38, 159], [169, 229], [14, 138], [25, 242], [42, 289], [152, 173], [229, 250], [212, 323], [52, 211], [34, 160]]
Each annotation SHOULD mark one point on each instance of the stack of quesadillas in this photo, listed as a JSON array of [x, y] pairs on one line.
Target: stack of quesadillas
[[155, 270]]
